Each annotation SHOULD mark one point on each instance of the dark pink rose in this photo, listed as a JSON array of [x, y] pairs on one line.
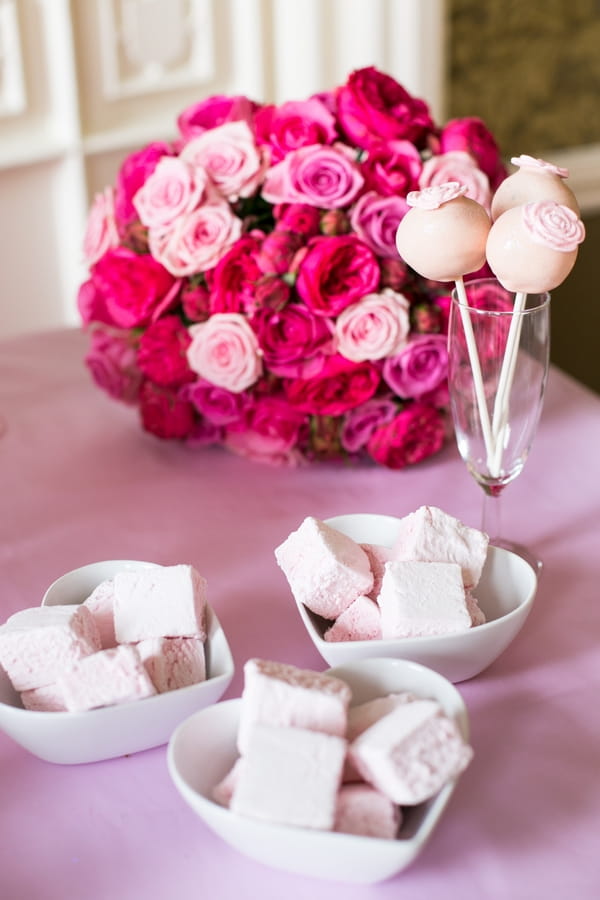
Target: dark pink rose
[[270, 292], [375, 219], [360, 423], [216, 404], [232, 280], [294, 124], [426, 318], [136, 289], [414, 434], [290, 335], [323, 176], [419, 368], [472, 136], [335, 221], [91, 304], [277, 251], [162, 352], [299, 217], [335, 272], [212, 112], [340, 386], [133, 173], [111, 359], [372, 107], [395, 274], [204, 434], [195, 300], [392, 168], [269, 432], [165, 412]]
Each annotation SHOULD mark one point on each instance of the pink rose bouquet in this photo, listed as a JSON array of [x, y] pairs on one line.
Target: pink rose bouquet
[[244, 286]]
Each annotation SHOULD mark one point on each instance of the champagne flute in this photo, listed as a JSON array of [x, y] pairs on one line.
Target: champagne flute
[[513, 379]]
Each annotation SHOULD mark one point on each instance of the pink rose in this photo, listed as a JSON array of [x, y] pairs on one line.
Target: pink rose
[[92, 305], [335, 221], [360, 423], [460, 167], [162, 352], [298, 217], [165, 413], [268, 433], [335, 272], [375, 219], [414, 434], [232, 282], [212, 112], [270, 292], [420, 367], [392, 168], [225, 351], [472, 136], [195, 300], [277, 251], [111, 359], [373, 107], [217, 405], [134, 171], [229, 156], [136, 289], [341, 385], [101, 229], [326, 177], [198, 241], [294, 124], [375, 327], [172, 190], [290, 336], [395, 274]]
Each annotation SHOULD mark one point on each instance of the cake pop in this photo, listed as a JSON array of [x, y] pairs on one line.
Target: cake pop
[[443, 236], [535, 179], [532, 248]]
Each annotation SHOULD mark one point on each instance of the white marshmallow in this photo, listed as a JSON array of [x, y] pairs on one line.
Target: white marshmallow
[[116, 675], [362, 809], [163, 601], [420, 599], [101, 605], [361, 621], [173, 663]]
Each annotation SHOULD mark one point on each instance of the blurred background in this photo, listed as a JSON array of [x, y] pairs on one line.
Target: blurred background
[[85, 82]]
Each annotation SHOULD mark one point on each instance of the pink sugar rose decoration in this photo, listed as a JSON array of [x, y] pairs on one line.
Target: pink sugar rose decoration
[[530, 162], [553, 225], [245, 287]]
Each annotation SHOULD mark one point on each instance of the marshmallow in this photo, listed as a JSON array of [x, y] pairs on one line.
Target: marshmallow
[[378, 556], [279, 694], [362, 809], [363, 715], [411, 753], [535, 179], [116, 675], [101, 605], [361, 621], [173, 663], [431, 535], [475, 611], [163, 601], [290, 776], [326, 570], [223, 790], [36, 644], [420, 599], [44, 699]]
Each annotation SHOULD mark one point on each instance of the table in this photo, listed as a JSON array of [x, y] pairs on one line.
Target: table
[[80, 481]]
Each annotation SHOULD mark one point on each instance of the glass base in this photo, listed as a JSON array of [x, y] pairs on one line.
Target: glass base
[[520, 550]]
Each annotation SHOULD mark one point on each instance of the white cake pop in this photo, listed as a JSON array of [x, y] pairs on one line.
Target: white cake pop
[[535, 179], [533, 247], [443, 235]]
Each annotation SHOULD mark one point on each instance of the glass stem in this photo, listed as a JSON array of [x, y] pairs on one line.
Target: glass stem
[[491, 518]]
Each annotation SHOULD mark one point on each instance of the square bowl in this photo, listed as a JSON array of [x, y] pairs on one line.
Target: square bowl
[[505, 593], [125, 728], [203, 749]]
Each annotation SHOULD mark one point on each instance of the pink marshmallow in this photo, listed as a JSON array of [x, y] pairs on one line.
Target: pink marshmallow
[[378, 556], [279, 694], [363, 715], [44, 699], [361, 621], [420, 599], [326, 570], [431, 535], [411, 753], [36, 644], [223, 790], [101, 605], [362, 809], [290, 776], [173, 663], [116, 675], [163, 601], [475, 611]]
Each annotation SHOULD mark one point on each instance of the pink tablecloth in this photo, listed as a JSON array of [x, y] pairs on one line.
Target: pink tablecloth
[[81, 482]]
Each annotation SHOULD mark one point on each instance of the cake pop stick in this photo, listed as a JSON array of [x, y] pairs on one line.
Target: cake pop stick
[[535, 179], [443, 237]]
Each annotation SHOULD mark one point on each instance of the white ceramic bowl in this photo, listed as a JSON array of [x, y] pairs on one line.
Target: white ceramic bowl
[[70, 737], [203, 749], [505, 594]]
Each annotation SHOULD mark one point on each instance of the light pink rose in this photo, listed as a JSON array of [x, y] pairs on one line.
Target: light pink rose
[[230, 157], [225, 351], [198, 241], [375, 327], [101, 230], [322, 176], [375, 219], [457, 166], [173, 190], [419, 368]]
